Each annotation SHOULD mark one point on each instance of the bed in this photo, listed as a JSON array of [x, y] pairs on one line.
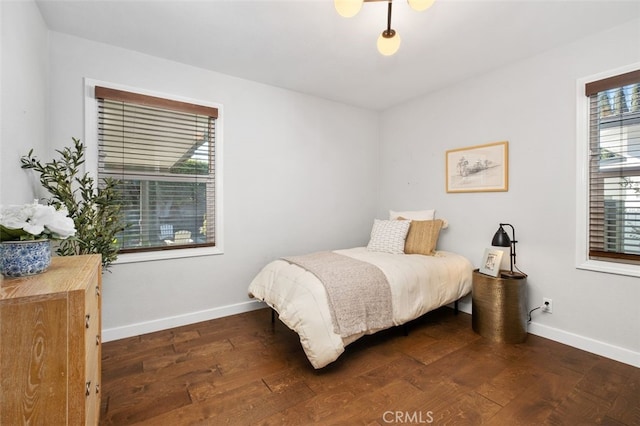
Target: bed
[[331, 299]]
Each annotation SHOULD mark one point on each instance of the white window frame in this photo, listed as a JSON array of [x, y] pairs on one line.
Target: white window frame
[[91, 167], [582, 182]]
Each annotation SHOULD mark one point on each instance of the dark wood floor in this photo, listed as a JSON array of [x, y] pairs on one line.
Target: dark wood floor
[[239, 370]]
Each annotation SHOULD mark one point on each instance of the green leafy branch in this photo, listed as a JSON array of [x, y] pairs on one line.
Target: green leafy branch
[[95, 210]]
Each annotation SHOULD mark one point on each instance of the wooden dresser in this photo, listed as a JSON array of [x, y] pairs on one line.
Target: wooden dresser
[[50, 346]]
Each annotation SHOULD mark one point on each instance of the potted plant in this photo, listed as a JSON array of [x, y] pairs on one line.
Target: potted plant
[[26, 232], [94, 209]]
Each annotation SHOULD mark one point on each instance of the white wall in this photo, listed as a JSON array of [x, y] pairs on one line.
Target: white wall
[[300, 174], [303, 174], [23, 97], [532, 104]]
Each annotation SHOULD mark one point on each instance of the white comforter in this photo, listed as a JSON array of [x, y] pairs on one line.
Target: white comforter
[[418, 284]]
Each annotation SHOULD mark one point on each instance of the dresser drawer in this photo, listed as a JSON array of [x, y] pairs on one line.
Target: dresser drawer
[[92, 351], [92, 318], [50, 347]]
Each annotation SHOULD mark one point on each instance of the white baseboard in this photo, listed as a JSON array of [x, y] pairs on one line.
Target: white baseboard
[[463, 306], [586, 344], [577, 341], [110, 334]]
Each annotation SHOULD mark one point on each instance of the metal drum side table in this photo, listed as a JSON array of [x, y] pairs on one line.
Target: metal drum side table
[[499, 310]]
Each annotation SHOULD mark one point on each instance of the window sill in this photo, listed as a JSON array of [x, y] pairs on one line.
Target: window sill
[[148, 256], [610, 268]]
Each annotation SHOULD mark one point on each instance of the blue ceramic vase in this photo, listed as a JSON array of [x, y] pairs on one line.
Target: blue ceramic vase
[[23, 258]]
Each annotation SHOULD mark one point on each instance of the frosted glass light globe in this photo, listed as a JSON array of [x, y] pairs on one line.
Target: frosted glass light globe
[[348, 8], [420, 5], [387, 46]]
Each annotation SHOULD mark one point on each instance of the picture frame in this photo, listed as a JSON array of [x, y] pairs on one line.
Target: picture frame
[[479, 168], [491, 262]]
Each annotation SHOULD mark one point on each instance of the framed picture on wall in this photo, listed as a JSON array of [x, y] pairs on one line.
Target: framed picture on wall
[[480, 168], [491, 262]]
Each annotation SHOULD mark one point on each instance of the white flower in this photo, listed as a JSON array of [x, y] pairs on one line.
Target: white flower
[[34, 221], [16, 217]]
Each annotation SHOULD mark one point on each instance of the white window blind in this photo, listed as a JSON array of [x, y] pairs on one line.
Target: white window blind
[[614, 168], [162, 153]]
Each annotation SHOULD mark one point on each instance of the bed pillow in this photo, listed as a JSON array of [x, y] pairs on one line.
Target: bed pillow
[[413, 214], [422, 237], [388, 236]]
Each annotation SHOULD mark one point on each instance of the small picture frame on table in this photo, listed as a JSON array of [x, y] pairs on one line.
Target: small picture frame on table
[[491, 262]]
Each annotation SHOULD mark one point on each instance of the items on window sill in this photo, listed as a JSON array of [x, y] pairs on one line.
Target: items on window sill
[[180, 237]]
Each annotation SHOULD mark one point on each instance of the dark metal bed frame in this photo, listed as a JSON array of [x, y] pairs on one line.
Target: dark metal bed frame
[[405, 328]]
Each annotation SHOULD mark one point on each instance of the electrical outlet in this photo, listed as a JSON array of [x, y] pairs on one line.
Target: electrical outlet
[[547, 305]]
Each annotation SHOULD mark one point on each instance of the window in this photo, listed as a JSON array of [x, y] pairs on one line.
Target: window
[[162, 152], [614, 168]]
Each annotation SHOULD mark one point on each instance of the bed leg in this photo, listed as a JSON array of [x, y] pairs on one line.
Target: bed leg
[[273, 316], [455, 307], [405, 329]]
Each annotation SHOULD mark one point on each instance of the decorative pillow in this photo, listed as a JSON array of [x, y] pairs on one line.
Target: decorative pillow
[[388, 236], [413, 215], [422, 237]]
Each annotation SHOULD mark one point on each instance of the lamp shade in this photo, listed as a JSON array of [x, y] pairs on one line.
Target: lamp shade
[[348, 8], [420, 5], [501, 238], [388, 45]]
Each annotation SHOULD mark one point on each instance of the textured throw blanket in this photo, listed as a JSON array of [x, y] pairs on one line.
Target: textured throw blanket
[[358, 292]]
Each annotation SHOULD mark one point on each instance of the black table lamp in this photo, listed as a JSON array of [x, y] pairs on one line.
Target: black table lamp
[[501, 239]]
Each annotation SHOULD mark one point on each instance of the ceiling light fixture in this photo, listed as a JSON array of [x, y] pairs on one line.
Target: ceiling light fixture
[[389, 40]]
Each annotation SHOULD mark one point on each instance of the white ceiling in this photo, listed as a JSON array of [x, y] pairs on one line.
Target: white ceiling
[[304, 45]]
